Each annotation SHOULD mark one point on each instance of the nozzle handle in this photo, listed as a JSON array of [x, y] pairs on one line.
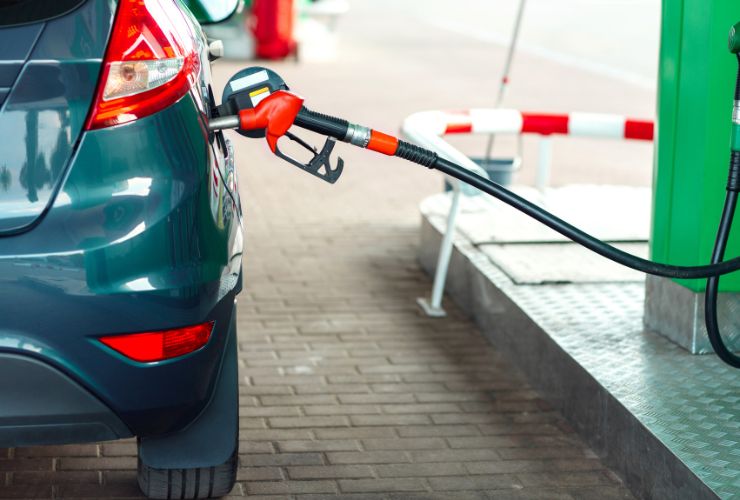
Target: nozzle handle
[[734, 46], [322, 124], [734, 40]]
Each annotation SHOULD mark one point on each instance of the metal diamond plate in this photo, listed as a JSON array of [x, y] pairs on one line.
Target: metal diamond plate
[[678, 313]]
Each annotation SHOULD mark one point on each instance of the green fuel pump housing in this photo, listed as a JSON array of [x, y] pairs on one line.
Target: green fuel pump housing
[[695, 132]]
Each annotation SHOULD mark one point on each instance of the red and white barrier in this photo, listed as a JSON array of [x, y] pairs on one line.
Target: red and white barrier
[[427, 128], [510, 121]]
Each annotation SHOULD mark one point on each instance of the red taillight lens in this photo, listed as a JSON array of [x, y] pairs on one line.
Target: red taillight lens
[[148, 347], [150, 63]]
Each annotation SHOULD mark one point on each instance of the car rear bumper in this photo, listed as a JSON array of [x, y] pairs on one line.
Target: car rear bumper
[[42, 405]]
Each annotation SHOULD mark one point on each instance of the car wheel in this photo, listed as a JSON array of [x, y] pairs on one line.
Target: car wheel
[[203, 482]]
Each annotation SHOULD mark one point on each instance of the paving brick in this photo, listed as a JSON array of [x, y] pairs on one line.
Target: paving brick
[[510, 441], [280, 459], [260, 390], [329, 471], [13, 464], [421, 469], [367, 457], [499, 482], [119, 449], [354, 433], [363, 379], [394, 369], [518, 466], [290, 487], [256, 447], [469, 418], [269, 411], [317, 399], [454, 397], [323, 445], [384, 420], [532, 494], [333, 389], [346, 496], [274, 434], [421, 408], [600, 492], [500, 406], [344, 409], [307, 422], [513, 429], [36, 491], [408, 388], [118, 476], [385, 485], [259, 474], [447, 495], [252, 423], [375, 398], [98, 491], [542, 452], [77, 450], [453, 455], [287, 380], [590, 478], [102, 463], [403, 444], [55, 477], [437, 430]]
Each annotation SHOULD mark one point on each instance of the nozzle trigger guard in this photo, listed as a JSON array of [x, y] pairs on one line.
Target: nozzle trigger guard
[[319, 160]]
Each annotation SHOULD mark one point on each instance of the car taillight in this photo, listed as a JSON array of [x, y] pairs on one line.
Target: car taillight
[[150, 63], [148, 347]]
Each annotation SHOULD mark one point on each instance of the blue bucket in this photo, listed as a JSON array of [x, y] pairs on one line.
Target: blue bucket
[[499, 170]]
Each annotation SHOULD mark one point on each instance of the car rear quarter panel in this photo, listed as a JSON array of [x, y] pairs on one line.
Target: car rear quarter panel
[[143, 235]]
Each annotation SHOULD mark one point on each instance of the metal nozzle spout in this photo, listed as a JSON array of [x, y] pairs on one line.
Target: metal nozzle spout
[[222, 122]]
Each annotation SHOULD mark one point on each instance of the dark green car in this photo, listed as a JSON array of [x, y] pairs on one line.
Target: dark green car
[[120, 238]]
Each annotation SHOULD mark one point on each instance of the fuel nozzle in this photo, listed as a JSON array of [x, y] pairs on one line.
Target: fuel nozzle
[[733, 181], [734, 42], [258, 103]]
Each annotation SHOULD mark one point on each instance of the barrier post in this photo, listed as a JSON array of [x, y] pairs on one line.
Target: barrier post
[[544, 163], [434, 308]]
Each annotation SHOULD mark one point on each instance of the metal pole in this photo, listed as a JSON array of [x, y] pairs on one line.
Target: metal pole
[[507, 68], [433, 308], [545, 162]]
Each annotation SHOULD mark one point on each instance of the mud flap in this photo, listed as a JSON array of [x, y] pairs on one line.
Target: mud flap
[[212, 437]]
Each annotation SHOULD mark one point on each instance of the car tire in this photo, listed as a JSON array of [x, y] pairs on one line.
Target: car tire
[[203, 482]]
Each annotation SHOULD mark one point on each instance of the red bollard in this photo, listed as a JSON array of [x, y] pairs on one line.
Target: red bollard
[[272, 25]]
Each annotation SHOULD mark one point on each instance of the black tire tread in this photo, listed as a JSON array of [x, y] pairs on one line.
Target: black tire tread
[[203, 482]]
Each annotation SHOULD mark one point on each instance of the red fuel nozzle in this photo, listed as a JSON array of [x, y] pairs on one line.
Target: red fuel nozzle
[[276, 114]]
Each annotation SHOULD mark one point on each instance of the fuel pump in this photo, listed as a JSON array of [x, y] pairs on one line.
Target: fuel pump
[[258, 103]]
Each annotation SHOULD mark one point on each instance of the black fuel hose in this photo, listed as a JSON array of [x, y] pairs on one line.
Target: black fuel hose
[[430, 159], [710, 298], [338, 127]]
